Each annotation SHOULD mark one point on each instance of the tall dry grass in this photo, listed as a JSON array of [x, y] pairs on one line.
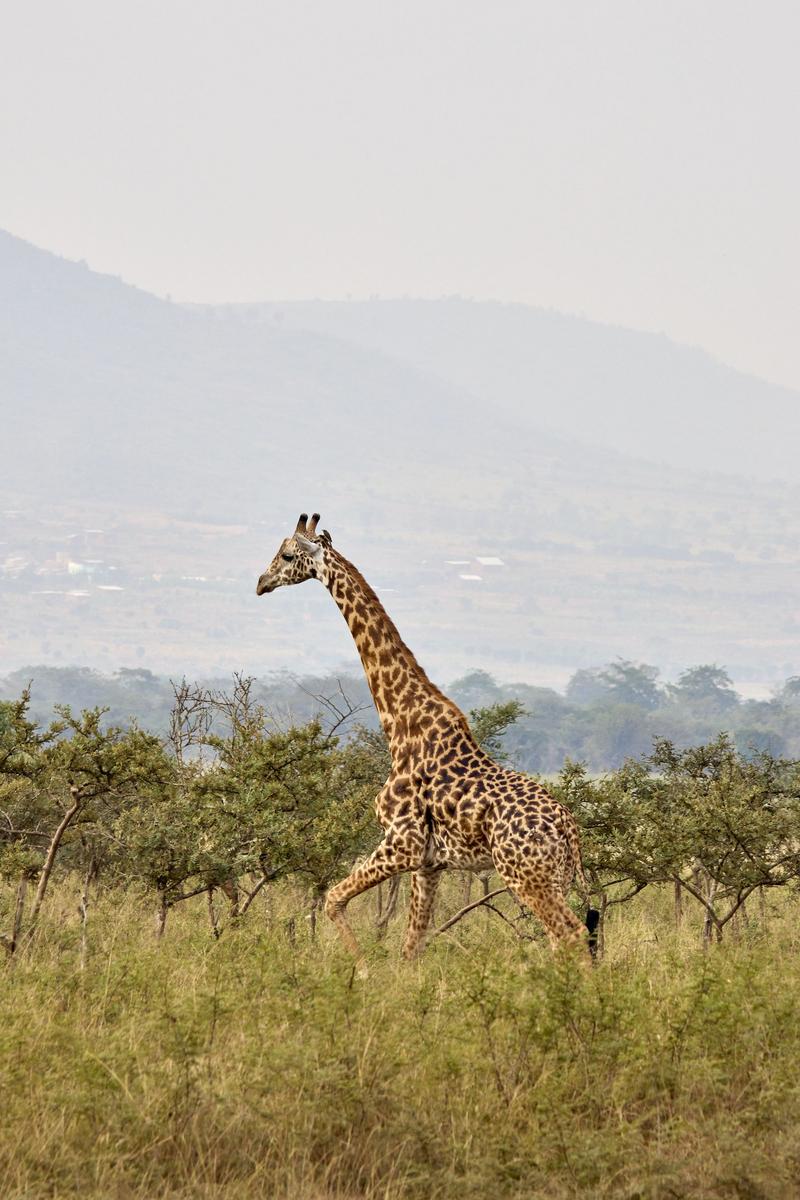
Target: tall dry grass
[[253, 1067]]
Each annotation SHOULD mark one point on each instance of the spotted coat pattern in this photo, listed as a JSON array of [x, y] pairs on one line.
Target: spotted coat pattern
[[446, 803]]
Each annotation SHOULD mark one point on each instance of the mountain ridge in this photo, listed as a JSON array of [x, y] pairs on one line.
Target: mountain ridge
[[158, 455], [550, 367]]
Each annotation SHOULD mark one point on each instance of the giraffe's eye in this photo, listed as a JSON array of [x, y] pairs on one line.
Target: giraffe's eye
[[287, 557]]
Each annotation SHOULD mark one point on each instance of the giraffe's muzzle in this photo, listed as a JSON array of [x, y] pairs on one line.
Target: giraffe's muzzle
[[263, 586]]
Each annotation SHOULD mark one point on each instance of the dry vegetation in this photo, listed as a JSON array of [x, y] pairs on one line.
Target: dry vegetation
[[228, 1051], [256, 1065]]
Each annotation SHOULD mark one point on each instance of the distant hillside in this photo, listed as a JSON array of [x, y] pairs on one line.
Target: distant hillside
[[112, 393], [156, 454], [635, 392]]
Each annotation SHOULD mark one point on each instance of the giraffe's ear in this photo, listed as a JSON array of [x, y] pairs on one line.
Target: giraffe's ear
[[313, 548]]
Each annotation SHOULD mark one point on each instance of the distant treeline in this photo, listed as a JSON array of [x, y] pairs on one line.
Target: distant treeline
[[606, 715]]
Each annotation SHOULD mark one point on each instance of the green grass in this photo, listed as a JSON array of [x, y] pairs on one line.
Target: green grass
[[251, 1068]]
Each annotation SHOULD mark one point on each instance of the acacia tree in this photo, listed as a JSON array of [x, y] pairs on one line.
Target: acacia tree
[[62, 790], [715, 824], [734, 823], [177, 841], [24, 815], [293, 803], [490, 724], [621, 846], [263, 804]]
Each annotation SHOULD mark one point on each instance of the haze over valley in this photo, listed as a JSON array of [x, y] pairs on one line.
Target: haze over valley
[[530, 493]]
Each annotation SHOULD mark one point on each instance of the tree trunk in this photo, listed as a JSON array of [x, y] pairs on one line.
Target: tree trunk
[[50, 858], [12, 942], [161, 914], [678, 904], [745, 915], [708, 888], [740, 921], [712, 928], [485, 888], [83, 909], [231, 889], [212, 912]]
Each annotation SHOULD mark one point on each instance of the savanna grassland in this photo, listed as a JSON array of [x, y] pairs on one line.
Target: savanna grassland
[[178, 1020], [257, 1065]]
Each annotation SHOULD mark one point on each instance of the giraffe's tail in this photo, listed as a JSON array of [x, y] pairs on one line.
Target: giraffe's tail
[[592, 918]]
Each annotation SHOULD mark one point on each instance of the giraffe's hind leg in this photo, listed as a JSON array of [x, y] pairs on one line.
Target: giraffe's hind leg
[[548, 904], [544, 897], [423, 894]]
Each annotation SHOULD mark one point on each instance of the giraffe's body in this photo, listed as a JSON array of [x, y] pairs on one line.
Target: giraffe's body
[[446, 803]]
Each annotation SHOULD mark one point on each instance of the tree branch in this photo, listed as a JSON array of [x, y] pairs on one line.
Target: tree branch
[[462, 912], [265, 879]]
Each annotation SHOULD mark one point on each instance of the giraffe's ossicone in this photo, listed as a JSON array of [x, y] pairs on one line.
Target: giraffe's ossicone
[[446, 803]]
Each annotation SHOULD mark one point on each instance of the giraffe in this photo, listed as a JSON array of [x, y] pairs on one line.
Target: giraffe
[[446, 803]]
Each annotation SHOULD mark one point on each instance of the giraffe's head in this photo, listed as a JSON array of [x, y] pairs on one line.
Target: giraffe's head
[[299, 557]]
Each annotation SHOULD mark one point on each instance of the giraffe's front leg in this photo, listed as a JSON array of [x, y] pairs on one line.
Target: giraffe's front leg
[[423, 893], [396, 854]]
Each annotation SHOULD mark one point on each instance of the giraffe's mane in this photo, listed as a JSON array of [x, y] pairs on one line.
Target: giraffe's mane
[[394, 635]]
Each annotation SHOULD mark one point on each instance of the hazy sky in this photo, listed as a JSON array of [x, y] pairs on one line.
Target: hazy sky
[[634, 161]]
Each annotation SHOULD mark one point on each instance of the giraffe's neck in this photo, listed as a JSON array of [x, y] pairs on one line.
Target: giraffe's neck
[[408, 704]]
